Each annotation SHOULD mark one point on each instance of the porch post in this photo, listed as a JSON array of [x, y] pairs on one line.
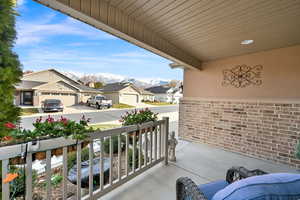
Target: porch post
[[166, 139]]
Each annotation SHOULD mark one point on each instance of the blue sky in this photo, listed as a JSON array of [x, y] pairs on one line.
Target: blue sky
[[49, 39]]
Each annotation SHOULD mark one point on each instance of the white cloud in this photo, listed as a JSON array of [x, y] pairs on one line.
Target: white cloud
[[41, 30], [78, 59]]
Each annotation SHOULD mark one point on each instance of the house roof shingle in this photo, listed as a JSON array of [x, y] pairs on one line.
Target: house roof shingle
[[84, 88], [114, 87], [27, 85], [162, 89], [145, 92]]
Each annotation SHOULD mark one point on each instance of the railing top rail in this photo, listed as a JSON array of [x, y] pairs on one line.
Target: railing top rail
[[12, 151]]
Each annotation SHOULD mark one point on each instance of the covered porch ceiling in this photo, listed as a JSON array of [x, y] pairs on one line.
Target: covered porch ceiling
[[189, 32]]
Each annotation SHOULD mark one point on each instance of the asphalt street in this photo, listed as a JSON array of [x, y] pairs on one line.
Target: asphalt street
[[97, 117]]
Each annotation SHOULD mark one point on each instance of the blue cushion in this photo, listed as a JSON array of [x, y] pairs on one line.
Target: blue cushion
[[281, 186], [210, 189]]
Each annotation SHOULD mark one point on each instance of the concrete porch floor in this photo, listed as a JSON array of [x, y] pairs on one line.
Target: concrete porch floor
[[202, 163]]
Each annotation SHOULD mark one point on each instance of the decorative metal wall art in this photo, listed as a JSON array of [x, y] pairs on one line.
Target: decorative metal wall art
[[242, 76]]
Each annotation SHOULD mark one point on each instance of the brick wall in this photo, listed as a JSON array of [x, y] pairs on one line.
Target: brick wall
[[264, 130]]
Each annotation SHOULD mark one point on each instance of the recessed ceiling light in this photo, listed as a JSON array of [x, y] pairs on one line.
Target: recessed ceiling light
[[247, 42]]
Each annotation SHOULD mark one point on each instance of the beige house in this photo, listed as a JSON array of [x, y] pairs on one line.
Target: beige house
[[35, 87], [126, 93], [147, 95]]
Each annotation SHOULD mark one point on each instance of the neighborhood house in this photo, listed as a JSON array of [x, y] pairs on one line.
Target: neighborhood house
[[165, 93], [36, 87], [160, 92], [126, 93]]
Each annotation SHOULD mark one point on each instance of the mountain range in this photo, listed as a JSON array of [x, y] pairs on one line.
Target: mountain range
[[112, 78]]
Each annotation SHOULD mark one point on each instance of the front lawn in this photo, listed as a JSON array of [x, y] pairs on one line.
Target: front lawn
[[29, 111], [104, 126], [122, 105], [159, 103]]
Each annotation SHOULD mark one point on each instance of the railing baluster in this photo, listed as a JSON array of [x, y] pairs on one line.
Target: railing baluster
[[146, 148], [126, 154], [111, 160], [133, 152], [119, 157], [166, 138], [65, 173], [78, 191], [101, 165], [91, 167], [28, 172], [160, 142], [155, 144], [151, 144], [48, 174], [5, 186], [140, 149]]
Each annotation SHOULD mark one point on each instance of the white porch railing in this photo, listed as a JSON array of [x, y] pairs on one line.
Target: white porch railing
[[154, 135]]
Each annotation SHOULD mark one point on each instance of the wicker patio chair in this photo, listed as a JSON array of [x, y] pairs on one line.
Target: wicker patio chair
[[186, 189]]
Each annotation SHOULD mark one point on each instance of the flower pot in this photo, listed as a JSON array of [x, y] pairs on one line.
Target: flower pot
[[40, 155], [57, 152], [16, 161], [84, 144]]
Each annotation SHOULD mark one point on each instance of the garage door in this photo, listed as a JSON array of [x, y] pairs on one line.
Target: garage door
[[67, 99], [130, 99]]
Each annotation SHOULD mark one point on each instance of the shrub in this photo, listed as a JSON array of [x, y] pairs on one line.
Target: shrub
[[130, 160], [106, 143], [138, 117], [17, 186], [56, 179], [62, 127], [10, 70]]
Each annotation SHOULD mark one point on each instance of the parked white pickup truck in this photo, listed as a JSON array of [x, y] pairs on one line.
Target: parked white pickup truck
[[99, 101]]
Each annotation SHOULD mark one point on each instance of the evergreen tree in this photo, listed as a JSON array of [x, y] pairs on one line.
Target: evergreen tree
[[10, 70], [98, 85]]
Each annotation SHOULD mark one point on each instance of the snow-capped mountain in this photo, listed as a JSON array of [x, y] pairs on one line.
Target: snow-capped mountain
[[112, 78]]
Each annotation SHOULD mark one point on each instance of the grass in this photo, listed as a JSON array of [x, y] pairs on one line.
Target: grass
[[158, 103], [122, 105], [29, 111], [104, 126]]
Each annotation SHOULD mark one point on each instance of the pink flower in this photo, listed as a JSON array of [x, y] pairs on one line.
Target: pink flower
[[39, 120], [50, 119], [64, 120], [10, 125]]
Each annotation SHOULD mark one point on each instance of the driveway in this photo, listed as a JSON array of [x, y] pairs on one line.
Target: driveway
[[96, 115]]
